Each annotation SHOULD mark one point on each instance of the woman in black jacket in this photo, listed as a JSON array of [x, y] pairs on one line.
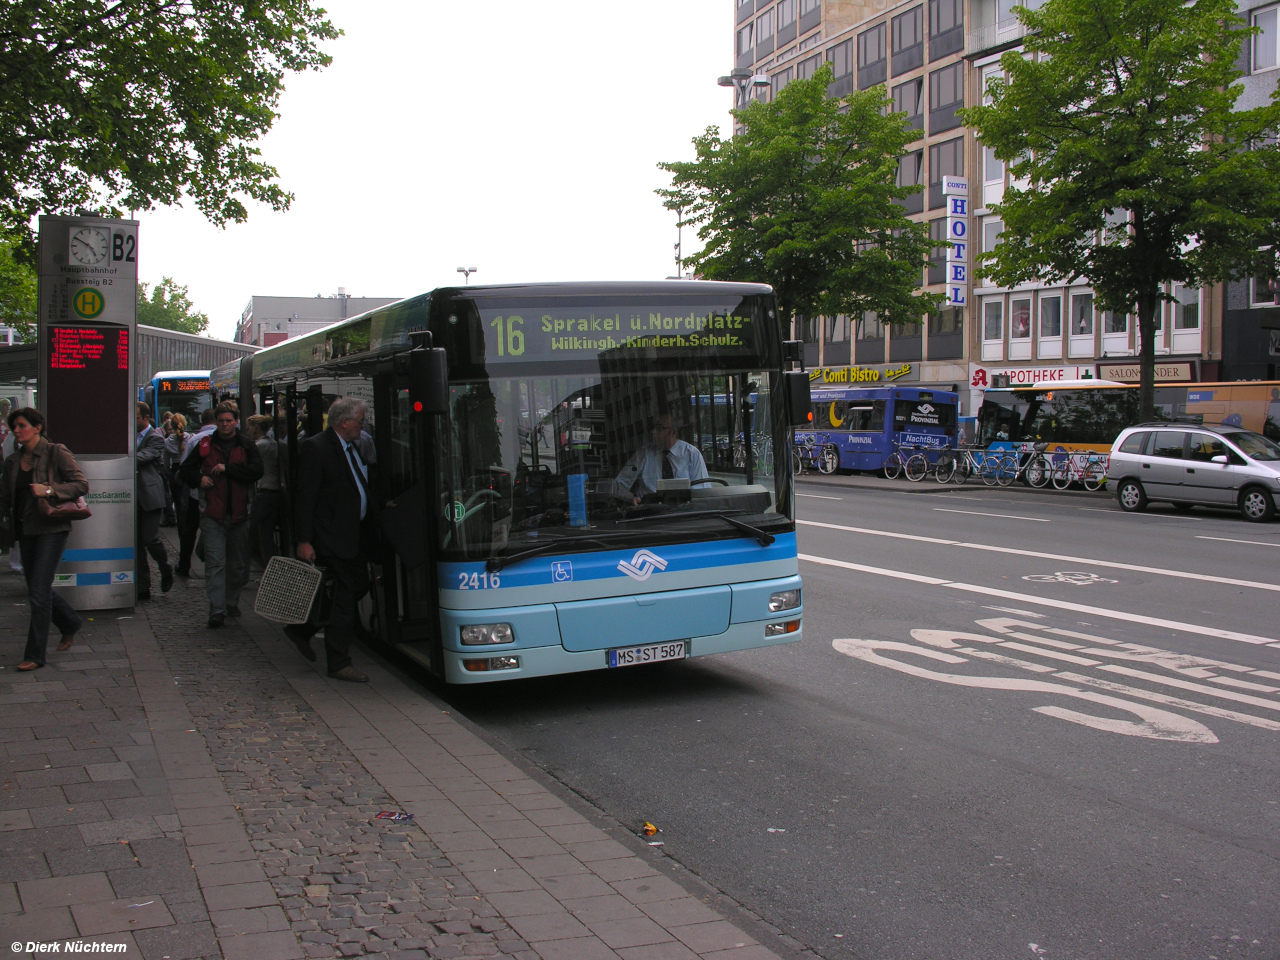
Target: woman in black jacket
[[36, 470]]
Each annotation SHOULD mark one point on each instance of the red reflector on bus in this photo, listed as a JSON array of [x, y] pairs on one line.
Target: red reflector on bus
[[417, 406]]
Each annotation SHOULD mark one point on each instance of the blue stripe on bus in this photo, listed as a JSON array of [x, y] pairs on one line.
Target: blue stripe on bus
[[101, 553], [634, 564]]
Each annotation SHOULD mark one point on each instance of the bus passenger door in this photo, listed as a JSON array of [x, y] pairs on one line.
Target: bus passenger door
[[406, 475]]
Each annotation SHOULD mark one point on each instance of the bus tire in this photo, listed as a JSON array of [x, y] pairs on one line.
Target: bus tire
[[1257, 505], [1131, 497]]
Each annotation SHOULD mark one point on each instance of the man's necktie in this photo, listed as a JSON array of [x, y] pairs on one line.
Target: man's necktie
[[668, 469], [358, 465]]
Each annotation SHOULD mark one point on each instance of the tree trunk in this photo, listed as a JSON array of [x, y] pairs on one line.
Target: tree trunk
[[1148, 304]]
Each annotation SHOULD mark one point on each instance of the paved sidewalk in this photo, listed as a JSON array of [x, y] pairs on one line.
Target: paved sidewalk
[[186, 792]]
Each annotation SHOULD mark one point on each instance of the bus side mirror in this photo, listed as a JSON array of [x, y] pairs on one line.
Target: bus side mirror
[[799, 400], [429, 380]]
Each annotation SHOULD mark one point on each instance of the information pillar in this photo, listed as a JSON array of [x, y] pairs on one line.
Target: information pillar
[[87, 324]]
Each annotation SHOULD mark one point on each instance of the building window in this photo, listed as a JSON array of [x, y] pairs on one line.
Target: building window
[[946, 28], [992, 227], [1082, 315], [779, 80], [911, 174], [805, 69], [945, 160], [841, 59], [1262, 293], [837, 328], [746, 41], [871, 57], [908, 98], [1020, 319], [938, 255], [993, 321], [1050, 318], [946, 96], [810, 14], [908, 40], [870, 327], [764, 33], [808, 329], [1266, 42], [1113, 322], [1186, 312], [786, 18], [947, 321], [992, 166]]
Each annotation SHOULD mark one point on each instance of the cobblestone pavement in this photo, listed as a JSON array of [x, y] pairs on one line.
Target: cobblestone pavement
[[186, 792]]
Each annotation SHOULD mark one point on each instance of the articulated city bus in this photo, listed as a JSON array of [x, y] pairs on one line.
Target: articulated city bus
[[177, 391], [856, 428], [1084, 417], [507, 422]]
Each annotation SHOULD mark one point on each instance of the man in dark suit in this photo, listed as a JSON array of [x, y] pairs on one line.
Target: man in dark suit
[[151, 500], [335, 524]]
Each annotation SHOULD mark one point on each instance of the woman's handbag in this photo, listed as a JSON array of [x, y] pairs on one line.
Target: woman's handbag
[[75, 509]]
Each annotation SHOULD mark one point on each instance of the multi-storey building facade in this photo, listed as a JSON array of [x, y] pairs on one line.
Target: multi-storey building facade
[[935, 57], [267, 321]]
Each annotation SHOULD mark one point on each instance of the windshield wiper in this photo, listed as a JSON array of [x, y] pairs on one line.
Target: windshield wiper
[[763, 538], [494, 564]]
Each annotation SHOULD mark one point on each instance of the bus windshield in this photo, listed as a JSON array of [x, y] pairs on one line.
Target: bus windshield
[[609, 436]]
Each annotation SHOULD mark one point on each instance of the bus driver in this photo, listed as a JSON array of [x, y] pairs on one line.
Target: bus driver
[[665, 457]]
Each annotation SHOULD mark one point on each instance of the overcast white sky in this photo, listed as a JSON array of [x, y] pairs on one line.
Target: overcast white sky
[[518, 138]]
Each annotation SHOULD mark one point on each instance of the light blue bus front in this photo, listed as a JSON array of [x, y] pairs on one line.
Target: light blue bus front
[[590, 611]]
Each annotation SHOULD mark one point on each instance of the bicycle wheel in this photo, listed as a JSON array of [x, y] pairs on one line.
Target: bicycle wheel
[[964, 467], [1038, 471], [797, 462], [917, 467], [1006, 471], [1095, 475], [1062, 475], [893, 466], [989, 470], [829, 459], [945, 469]]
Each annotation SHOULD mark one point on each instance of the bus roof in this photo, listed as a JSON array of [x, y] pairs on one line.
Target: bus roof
[[177, 374]]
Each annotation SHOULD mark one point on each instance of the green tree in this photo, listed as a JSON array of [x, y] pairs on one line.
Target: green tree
[[168, 306], [803, 199], [1138, 171], [117, 105], [17, 292]]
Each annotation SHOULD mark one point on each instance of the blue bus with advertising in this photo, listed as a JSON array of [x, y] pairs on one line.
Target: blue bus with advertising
[[177, 391], [856, 428], [508, 422]]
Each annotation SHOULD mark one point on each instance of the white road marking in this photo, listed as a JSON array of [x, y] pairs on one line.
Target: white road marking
[[1021, 613], [1244, 684], [1256, 543], [1155, 723], [814, 496], [1014, 551], [1194, 687], [1153, 516], [1138, 692], [1046, 601], [1076, 578], [1002, 516]]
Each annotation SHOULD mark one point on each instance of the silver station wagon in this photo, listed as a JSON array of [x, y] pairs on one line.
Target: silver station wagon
[[1189, 465]]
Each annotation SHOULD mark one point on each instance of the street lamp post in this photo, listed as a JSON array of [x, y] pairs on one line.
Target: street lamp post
[[745, 82], [466, 273]]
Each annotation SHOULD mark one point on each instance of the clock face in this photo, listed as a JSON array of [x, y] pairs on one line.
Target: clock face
[[90, 245]]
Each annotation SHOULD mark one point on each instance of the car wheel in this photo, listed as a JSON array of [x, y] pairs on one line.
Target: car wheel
[[1133, 499], [1256, 505]]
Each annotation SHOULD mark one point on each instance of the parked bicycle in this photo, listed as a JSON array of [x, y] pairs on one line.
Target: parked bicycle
[[1089, 469], [815, 451], [976, 462], [915, 464], [1035, 469]]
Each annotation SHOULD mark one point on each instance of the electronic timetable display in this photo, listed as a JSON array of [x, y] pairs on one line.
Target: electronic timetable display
[[88, 374]]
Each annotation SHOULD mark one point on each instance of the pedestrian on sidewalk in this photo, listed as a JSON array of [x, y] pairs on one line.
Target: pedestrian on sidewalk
[[150, 507], [40, 470], [264, 515], [189, 525], [174, 439], [224, 466], [335, 523]]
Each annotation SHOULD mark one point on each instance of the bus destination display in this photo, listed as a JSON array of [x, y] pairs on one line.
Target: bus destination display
[[568, 333], [88, 388], [170, 385]]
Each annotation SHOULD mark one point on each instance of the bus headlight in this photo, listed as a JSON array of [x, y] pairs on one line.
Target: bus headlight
[[491, 663], [784, 600], [480, 633]]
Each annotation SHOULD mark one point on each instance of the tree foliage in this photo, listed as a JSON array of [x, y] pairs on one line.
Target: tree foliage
[[115, 105], [1127, 106], [803, 199], [168, 306], [17, 292]]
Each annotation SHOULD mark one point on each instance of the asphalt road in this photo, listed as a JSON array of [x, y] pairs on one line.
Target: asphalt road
[[1019, 725]]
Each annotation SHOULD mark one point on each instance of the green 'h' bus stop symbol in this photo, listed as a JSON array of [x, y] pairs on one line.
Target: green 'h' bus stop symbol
[[88, 302]]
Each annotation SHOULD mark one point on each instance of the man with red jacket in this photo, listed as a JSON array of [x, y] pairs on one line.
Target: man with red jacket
[[224, 468]]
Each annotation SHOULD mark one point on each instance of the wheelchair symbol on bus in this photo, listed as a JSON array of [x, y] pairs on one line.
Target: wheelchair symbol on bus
[[561, 571]]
